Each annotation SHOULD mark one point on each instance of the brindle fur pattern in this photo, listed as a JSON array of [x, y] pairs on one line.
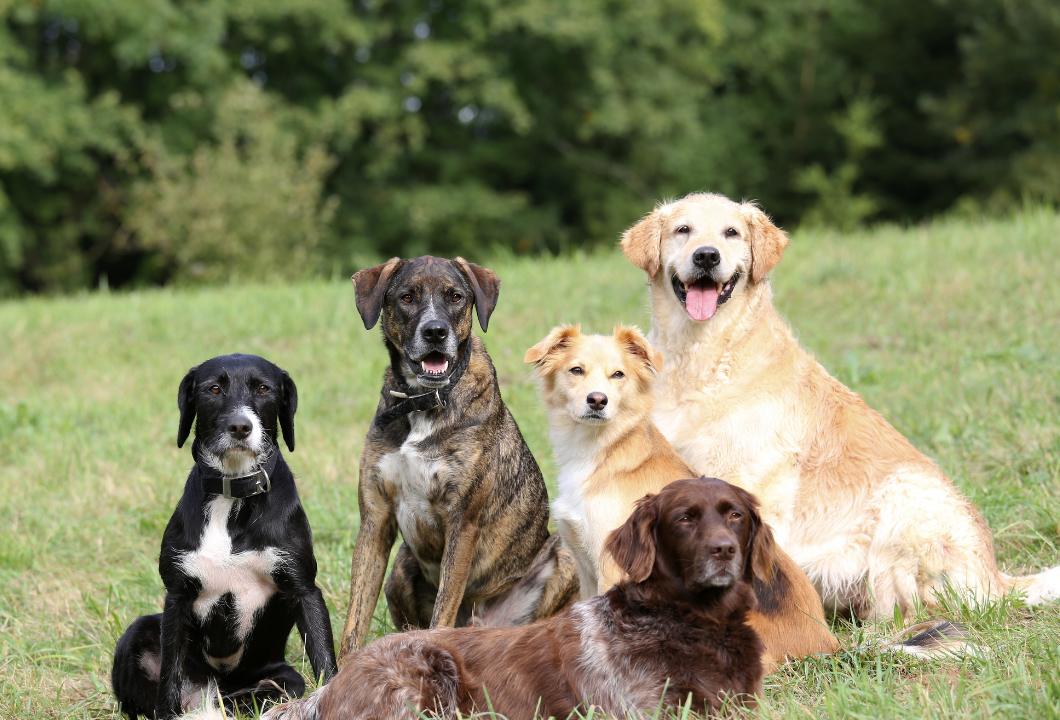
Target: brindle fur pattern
[[459, 481]]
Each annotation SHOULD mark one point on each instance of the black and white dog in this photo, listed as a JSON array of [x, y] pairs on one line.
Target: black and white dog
[[237, 557]]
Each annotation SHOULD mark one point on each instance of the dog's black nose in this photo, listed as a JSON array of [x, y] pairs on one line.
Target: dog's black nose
[[706, 257], [239, 427], [723, 549], [596, 400], [434, 331]]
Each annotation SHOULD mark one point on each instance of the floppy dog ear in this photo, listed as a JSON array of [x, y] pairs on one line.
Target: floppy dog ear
[[638, 346], [761, 555], [487, 289], [558, 338], [370, 286], [288, 406], [186, 405], [767, 242], [633, 545], [642, 243]]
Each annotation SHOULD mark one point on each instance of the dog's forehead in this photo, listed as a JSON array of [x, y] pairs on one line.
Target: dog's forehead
[[704, 209], [601, 349], [236, 364], [704, 490], [429, 272]]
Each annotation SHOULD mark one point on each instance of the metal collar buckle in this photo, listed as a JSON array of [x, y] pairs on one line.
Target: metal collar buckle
[[226, 483], [439, 401]]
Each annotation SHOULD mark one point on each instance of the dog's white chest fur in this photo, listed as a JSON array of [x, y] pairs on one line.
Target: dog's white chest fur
[[569, 503], [576, 461], [413, 478], [246, 575]]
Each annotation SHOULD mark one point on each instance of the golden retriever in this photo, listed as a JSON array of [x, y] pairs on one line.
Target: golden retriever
[[871, 520], [598, 392]]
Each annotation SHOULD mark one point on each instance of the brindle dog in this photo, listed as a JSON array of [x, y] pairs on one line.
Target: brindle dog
[[444, 463]]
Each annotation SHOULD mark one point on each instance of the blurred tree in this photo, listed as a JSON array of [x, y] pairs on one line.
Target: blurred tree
[[248, 207], [158, 140], [1002, 110]]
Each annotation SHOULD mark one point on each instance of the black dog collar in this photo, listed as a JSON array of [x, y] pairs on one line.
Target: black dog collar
[[239, 486], [430, 400]]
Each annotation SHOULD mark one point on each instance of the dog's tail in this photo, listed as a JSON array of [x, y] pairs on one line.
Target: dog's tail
[[931, 639], [304, 709], [1037, 589]]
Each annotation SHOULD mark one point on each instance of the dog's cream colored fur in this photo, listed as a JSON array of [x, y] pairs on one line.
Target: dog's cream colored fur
[[602, 472], [606, 465], [871, 520]]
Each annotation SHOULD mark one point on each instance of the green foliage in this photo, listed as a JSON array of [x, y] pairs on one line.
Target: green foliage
[[133, 150], [837, 203], [247, 207]]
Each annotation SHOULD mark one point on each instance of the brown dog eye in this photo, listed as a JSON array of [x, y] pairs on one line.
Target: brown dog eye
[[576, 371], [735, 515], [215, 389], [617, 375], [407, 298], [455, 297], [731, 232], [263, 389], [683, 229]]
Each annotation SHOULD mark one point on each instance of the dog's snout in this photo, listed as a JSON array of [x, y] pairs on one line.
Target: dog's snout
[[706, 257], [434, 331], [239, 426], [596, 400]]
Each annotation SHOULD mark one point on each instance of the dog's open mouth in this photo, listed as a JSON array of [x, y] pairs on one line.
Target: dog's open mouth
[[434, 364], [702, 297]]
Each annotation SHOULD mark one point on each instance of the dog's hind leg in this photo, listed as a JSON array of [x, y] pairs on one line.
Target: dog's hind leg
[[561, 585], [137, 666], [549, 585], [271, 684], [135, 674], [409, 595]]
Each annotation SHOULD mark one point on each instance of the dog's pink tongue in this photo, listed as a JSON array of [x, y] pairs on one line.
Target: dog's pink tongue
[[701, 302]]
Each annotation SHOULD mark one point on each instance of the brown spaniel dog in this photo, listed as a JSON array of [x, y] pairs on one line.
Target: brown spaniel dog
[[676, 627]]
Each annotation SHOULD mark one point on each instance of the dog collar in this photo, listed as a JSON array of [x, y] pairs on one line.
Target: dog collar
[[411, 403], [253, 483], [430, 400]]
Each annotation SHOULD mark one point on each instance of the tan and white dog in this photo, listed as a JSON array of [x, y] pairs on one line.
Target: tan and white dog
[[871, 520], [598, 392]]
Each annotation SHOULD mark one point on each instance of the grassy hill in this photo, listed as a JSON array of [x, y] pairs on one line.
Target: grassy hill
[[951, 330]]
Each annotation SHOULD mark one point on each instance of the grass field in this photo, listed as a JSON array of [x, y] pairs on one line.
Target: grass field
[[951, 330]]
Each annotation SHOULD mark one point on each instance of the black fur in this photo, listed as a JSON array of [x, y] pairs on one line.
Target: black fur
[[770, 594], [178, 639]]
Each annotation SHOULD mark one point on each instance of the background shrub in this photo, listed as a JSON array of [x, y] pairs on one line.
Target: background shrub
[[156, 141]]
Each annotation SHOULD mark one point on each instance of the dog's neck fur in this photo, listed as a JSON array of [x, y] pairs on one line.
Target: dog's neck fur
[[236, 464], [710, 350], [578, 443]]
